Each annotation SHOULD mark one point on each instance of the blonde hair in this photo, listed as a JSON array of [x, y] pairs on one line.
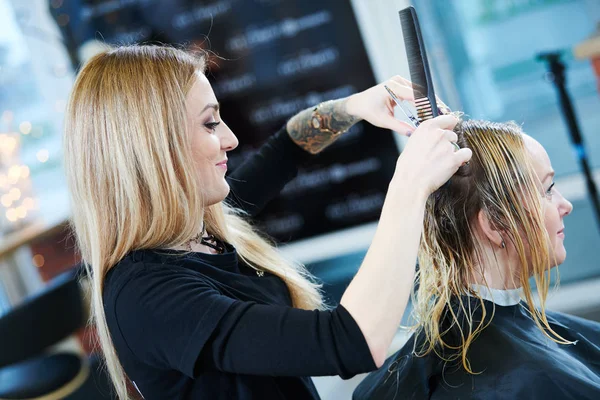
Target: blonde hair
[[501, 181], [131, 178]]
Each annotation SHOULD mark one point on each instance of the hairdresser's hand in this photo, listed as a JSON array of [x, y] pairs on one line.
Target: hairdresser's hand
[[429, 158], [375, 105]]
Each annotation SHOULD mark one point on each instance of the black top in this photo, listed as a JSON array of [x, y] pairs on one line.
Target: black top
[[516, 361], [205, 326]]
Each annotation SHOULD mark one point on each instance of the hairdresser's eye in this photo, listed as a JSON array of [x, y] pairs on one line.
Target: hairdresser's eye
[[212, 125], [549, 191]]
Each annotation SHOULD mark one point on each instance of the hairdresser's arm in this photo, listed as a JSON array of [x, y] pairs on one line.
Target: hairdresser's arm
[[376, 298], [277, 161], [314, 130]]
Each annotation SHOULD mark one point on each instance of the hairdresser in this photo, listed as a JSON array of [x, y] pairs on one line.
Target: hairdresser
[[190, 301]]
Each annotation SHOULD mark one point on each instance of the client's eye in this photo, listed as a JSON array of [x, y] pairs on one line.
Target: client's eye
[[549, 191]]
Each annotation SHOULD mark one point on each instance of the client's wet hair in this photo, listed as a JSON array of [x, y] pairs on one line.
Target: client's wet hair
[[500, 181]]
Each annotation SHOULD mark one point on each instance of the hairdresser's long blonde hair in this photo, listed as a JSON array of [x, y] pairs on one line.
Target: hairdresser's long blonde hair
[[501, 181], [131, 178]]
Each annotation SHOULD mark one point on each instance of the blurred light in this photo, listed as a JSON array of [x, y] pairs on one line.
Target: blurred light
[[11, 214], [3, 180], [6, 200], [7, 143], [62, 19], [28, 203], [56, 3], [25, 127], [14, 173], [24, 171], [12, 143], [15, 193], [43, 155], [21, 212], [38, 260], [60, 105], [7, 116]]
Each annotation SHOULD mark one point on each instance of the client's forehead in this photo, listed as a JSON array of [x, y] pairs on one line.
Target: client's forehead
[[539, 156]]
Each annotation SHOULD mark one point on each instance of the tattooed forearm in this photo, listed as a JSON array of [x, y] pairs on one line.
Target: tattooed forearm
[[334, 119]]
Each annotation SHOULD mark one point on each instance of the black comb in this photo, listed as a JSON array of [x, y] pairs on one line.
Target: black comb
[[418, 65]]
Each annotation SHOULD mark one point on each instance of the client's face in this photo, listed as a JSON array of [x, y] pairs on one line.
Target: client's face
[[555, 206], [211, 140]]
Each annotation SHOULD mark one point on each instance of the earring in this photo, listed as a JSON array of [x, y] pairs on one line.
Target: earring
[[503, 245]]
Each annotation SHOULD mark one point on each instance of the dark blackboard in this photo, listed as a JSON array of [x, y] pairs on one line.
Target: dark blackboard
[[275, 58]]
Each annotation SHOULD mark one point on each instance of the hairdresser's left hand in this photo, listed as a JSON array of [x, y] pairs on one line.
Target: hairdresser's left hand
[[376, 106]]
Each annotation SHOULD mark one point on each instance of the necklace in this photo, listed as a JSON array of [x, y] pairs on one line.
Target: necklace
[[214, 243], [209, 241]]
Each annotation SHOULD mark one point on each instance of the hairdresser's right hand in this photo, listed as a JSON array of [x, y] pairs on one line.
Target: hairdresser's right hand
[[429, 159]]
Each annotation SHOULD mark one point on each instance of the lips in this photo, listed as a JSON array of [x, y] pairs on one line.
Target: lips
[[222, 165]]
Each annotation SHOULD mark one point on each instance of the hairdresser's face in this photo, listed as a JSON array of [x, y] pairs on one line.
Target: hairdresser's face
[[211, 140], [555, 206]]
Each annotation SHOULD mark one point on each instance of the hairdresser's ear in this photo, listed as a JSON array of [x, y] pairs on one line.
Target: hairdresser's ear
[[488, 230]]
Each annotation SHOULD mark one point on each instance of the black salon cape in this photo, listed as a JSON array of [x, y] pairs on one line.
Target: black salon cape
[[516, 360], [204, 326]]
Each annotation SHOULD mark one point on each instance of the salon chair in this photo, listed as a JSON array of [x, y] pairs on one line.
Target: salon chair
[[27, 369]]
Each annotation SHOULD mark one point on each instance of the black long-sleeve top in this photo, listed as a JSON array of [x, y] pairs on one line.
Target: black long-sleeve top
[[206, 326]]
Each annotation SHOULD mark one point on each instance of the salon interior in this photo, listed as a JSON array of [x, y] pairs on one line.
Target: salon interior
[[535, 62]]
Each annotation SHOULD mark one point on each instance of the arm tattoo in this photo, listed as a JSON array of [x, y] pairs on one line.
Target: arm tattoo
[[335, 118]]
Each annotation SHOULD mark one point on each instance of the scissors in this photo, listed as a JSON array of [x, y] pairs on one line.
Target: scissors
[[404, 109], [408, 113]]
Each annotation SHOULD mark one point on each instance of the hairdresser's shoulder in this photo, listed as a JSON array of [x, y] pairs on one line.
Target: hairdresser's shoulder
[[141, 265]]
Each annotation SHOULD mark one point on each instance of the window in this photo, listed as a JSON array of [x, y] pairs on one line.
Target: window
[[35, 82], [35, 79]]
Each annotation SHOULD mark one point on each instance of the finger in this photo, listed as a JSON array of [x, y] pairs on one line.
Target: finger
[[463, 155], [451, 136], [401, 80], [443, 122], [401, 127], [390, 104], [401, 91]]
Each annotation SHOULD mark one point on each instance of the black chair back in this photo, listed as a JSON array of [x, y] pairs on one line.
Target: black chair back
[[42, 320]]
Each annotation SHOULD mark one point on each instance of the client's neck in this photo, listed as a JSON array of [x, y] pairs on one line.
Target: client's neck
[[496, 270], [496, 280]]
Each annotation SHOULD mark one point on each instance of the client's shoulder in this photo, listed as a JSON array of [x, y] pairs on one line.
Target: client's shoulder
[[404, 375]]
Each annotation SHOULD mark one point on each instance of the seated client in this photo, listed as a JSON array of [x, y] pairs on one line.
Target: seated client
[[478, 333]]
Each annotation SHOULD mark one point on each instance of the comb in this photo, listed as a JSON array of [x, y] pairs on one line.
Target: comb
[[418, 65]]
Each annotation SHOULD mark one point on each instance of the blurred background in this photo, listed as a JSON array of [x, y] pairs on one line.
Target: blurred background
[[269, 60]]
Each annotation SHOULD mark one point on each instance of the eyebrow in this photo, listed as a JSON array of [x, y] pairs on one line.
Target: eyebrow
[[211, 105], [549, 174]]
